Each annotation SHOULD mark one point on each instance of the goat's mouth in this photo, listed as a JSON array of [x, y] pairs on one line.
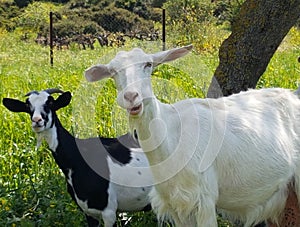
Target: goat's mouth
[[135, 110], [37, 128]]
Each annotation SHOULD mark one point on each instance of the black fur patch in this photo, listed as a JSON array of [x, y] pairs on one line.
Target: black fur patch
[[117, 151]]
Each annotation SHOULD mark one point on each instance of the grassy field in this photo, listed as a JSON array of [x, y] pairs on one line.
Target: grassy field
[[32, 189]]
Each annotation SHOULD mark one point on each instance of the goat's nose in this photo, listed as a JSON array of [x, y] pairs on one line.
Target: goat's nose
[[37, 119], [130, 95]]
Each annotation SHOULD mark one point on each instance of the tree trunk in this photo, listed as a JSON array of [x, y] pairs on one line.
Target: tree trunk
[[256, 34]]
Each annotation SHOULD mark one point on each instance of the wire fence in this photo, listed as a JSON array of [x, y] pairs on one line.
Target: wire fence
[[85, 41]]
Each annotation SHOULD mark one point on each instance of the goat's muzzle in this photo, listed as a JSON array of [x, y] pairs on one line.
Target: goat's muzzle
[[37, 123], [135, 110], [132, 103]]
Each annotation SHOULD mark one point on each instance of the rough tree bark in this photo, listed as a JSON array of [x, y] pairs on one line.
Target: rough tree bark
[[257, 31]]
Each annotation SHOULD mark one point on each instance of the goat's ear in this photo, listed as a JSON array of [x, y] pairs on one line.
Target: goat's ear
[[170, 55], [63, 100], [15, 105], [97, 72]]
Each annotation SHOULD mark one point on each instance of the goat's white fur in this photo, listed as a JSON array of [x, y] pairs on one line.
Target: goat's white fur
[[249, 143]]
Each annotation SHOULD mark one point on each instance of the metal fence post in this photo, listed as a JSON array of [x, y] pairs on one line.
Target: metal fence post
[[164, 29], [51, 39]]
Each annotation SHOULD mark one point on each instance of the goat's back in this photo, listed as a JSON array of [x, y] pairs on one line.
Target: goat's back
[[251, 141]]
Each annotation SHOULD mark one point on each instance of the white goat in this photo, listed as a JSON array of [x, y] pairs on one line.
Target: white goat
[[237, 153]]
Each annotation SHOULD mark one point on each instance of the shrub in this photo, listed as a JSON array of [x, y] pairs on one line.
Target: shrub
[[7, 13], [189, 11], [120, 20], [87, 3], [138, 7], [22, 3], [35, 16], [226, 11], [157, 3], [71, 27], [190, 22]]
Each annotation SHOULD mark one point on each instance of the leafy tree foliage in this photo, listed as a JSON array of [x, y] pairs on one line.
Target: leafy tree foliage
[[189, 10], [8, 11], [191, 20], [54, 1], [33, 16], [75, 4], [227, 10], [120, 20], [202, 11], [188, 21], [139, 7], [22, 3], [158, 3]]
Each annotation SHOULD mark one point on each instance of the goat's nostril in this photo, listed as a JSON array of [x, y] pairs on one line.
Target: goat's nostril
[[130, 95], [36, 119]]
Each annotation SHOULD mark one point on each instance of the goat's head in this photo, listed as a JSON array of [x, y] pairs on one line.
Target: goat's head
[[131, 71], [40, 105]]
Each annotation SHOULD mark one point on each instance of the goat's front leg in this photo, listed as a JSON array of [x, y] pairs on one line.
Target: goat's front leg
[[109, 215], [202, 216], [205, 214], [198, 222], [109, 218]]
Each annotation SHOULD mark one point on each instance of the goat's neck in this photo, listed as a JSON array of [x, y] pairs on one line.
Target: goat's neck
[[60, 142], [50, 135], [163, 137], [153, 129]]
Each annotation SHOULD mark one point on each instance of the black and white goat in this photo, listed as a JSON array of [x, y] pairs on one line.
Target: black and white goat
[[103, 174]]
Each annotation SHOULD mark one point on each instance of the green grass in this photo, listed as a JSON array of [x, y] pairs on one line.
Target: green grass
[[32, 188], [284, 68]]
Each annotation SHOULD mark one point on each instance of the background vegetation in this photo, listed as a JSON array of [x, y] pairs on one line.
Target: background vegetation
[[190, 20], [32, 188]]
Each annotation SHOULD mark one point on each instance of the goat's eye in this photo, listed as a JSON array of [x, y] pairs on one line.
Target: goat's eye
[[112, 71], [50, 101], [148, 65], [27, 103], [46, 109]]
